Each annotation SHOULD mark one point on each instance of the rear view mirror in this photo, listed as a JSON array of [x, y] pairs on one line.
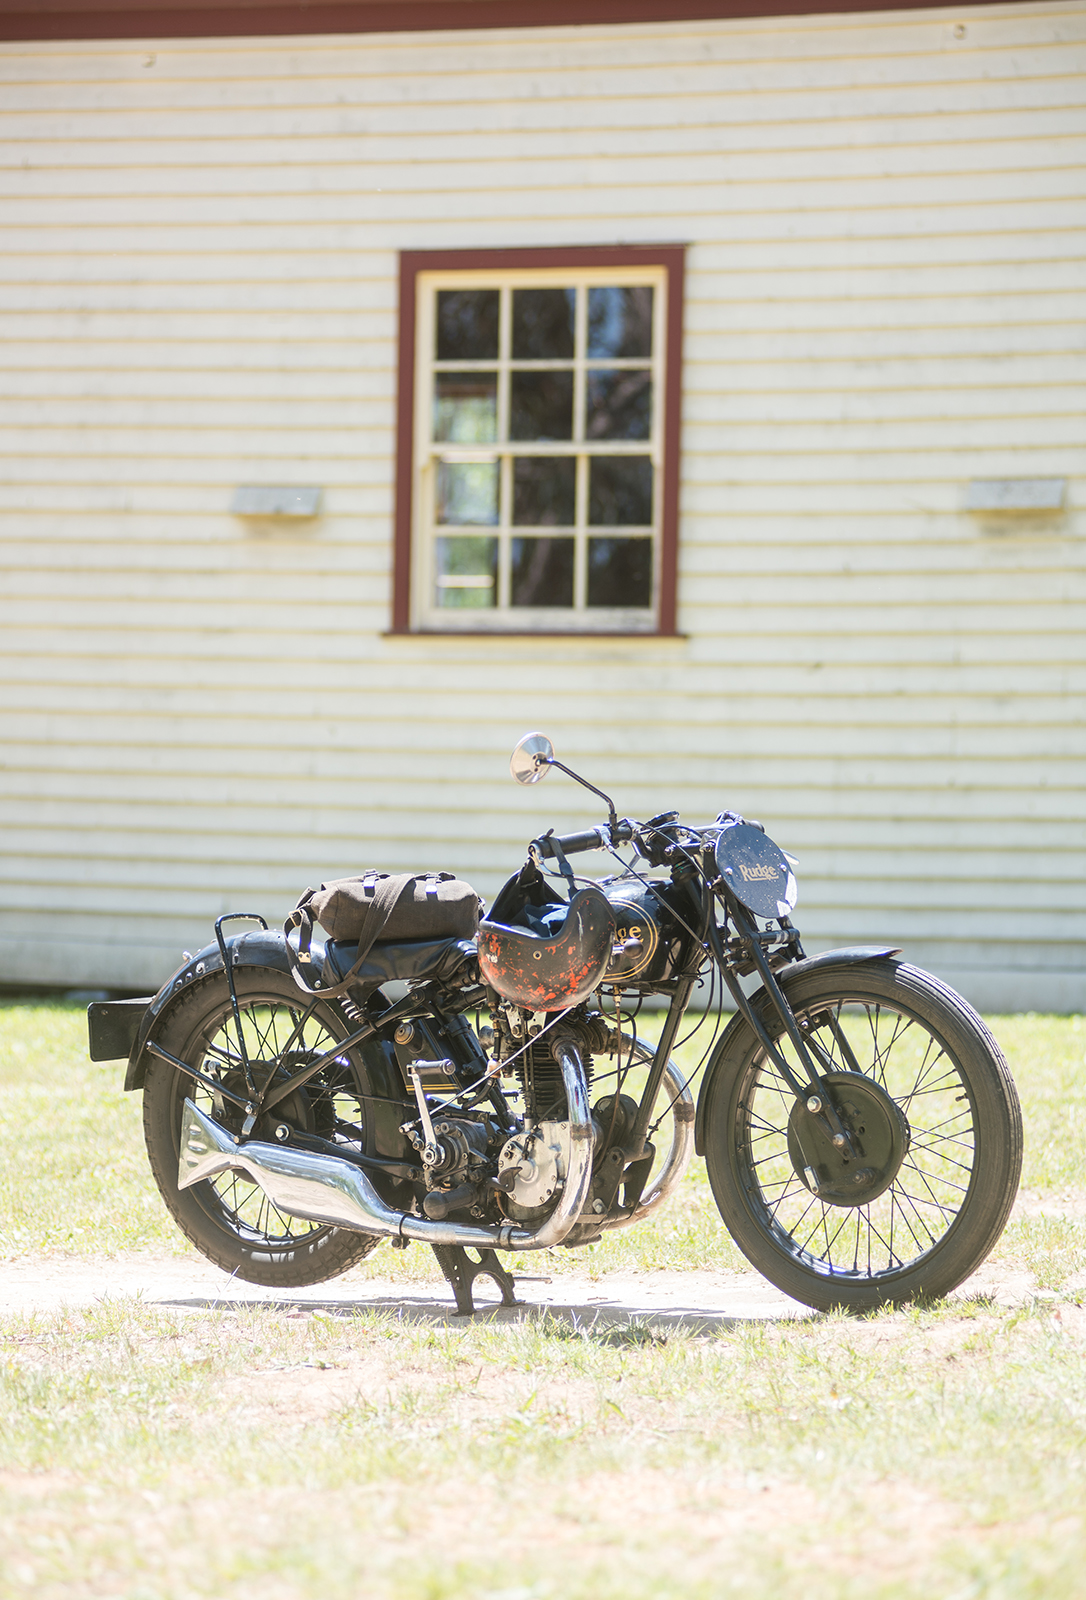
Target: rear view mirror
[[531, 758]]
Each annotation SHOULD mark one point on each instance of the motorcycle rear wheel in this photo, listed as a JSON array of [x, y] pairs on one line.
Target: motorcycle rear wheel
[[230, 1219], [919, 1044]]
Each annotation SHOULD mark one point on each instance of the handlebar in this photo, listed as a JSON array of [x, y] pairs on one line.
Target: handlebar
[[595, 839]]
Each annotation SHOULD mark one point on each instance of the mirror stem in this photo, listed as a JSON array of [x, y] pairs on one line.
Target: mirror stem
[[549, 761]]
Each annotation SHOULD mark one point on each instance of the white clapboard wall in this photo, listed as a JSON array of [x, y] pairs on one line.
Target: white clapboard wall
[[885, 215]]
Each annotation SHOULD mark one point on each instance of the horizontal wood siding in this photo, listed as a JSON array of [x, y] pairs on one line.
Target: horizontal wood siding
[[885, 216]]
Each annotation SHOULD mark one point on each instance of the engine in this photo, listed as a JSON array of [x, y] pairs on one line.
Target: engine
[[534, 1161], [462, 1165], [486, 1165], [540, 1080]]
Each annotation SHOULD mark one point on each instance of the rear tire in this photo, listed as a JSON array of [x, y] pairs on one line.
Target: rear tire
[[230, 1219], [929, 1228]]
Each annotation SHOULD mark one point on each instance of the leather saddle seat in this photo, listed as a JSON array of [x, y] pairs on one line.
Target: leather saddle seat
[[409, 959]]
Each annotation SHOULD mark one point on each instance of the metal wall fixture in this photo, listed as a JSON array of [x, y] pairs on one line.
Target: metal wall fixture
[[1016, 497], [268, 502]]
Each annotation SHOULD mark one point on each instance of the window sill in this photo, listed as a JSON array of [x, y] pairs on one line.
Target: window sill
[[528, 636]]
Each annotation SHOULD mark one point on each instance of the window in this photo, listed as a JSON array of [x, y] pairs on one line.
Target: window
[[537, 473]]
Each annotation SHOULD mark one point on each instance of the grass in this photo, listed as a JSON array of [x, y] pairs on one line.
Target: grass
[[75, 1180], [174, 1456], [155, 1454]]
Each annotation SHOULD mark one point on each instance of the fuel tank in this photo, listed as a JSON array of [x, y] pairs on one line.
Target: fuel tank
[[648, 935]]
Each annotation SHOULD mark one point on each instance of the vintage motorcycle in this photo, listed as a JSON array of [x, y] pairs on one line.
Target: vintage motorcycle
[[861, 1130]]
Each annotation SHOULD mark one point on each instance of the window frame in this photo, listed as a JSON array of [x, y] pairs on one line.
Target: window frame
[[670, 261]]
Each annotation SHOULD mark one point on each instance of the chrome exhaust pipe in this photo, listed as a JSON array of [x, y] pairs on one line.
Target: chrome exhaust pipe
[[582, 1143], [320, 1188]]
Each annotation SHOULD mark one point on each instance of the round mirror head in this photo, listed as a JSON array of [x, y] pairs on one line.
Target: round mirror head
[[529, 760]]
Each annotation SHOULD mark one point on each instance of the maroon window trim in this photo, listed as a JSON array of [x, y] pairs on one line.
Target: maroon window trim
[[412, 262], [187, 19]]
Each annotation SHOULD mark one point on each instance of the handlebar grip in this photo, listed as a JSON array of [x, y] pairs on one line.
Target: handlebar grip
[[595, 839], [570, 843]]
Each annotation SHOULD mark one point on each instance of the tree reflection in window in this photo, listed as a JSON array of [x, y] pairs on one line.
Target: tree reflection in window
[[542, 572], [467, 572], [544, 491], [620, 491], [620, 321], [468, 324]]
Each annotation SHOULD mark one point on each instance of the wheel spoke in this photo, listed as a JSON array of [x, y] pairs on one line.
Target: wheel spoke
[[848, 1055], [766, 1129], [909, 1221], [776, 1085], [901, 1026], [947, 1183], [923, 1076], [918, 1202], [901, 1198], [773, 1159], [845, 1219], [943, 1156], [819, 1220], [791, 1181], [797, 1188], [222, 1053], [947, 1122], [876, 1233]]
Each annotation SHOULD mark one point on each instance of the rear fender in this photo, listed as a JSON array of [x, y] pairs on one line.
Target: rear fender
[[738, 1036], [260, 948]]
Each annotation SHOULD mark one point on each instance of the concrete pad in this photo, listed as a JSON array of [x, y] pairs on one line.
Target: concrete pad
[[697, 1302]]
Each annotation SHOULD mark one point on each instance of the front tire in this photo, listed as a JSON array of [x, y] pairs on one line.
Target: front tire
[[230, 1219], [951, 1141]]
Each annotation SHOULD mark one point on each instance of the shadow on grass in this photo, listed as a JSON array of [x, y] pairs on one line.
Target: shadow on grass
[[616, 1321]]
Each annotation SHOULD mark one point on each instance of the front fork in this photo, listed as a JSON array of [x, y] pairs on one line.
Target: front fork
[[813, 1093]]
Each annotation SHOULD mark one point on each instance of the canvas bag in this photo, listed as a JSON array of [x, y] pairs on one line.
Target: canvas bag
[[380, 905]]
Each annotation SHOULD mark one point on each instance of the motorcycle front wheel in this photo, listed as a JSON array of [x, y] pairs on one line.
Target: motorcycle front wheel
[[925, 1091], [230, 1219]]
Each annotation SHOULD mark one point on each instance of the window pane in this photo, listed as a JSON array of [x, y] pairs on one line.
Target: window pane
[[619, 405], [620, 572], [466, 407], [467, 572], [543, 324], [541, 405], [467, 324], [620, 322], [543, 491], [542, 572], [467, 492], [620, 491]]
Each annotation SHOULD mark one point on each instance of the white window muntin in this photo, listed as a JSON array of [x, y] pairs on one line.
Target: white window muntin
[[431, 453]]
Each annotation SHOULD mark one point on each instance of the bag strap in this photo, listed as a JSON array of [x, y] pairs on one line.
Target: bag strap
[[302, 919], [390, 891], [563, 864]]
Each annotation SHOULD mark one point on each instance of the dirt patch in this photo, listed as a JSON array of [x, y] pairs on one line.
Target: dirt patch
[[695, 1303], [1030, 1203]]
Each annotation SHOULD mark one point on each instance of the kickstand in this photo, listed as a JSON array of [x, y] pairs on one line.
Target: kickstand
[[462, 1272]]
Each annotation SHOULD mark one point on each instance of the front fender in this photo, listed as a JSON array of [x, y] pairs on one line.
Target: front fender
[[259, 948], [737, 1036]]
